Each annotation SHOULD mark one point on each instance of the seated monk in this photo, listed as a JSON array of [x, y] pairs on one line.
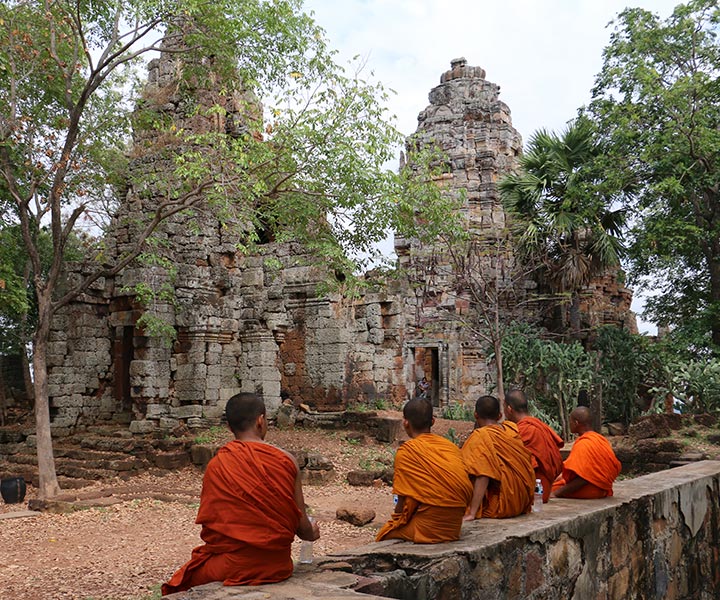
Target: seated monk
[[499, 465], [430, 481], [591, 467], [251, 508], [540, 440]]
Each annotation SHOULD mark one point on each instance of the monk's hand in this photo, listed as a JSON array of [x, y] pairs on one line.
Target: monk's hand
[[315, 530]]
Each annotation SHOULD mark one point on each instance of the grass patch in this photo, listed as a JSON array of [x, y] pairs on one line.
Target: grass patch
[[458, 412], [212, 435]]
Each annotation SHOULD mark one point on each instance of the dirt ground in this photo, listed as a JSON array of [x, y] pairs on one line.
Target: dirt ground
[[125, 550]]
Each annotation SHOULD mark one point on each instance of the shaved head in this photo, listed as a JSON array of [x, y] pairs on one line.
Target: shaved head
[[581, 420], [517, 400], [418, 412], [487, 407], [242, 411]]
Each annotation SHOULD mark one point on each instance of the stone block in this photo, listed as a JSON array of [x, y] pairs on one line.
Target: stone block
[[317, 477], [191, 371], [214, 411], [376, 336], [168, 423], [357, 516], [363, 478], [142, 427], [386, 429], [155, 411], [317, 462], [171, 460], [187, 411], [200, 454]]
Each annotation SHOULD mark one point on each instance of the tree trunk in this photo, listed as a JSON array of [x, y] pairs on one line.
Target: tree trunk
[[27, 378], [3, 399], [596, 404], [563, 414], [574, 311], [714, 265], [49, 486], [499, 375]]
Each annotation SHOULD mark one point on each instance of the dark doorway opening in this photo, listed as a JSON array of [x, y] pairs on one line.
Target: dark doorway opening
[[122, 357], [427, 373]]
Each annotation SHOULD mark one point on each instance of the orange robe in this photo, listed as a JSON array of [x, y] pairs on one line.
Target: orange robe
[[544, 445], [429, 473], [498, 452], [249, 518], [593, 459]]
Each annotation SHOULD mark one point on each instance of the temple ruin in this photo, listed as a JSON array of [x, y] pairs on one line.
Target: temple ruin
[[244, 323]]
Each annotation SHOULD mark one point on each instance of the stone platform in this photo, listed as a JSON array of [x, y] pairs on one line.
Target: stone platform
[[658, 537]]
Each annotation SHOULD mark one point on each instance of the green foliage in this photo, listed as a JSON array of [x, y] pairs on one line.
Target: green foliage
[[626, 362], [563, 212], [309, 169], [458, 412], [551, 373], [657, 104], [452, 436], [213, 435], [381, 404], [696, 383], [375, 460]]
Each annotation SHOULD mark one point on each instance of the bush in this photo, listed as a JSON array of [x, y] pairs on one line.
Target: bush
[[458, 412]]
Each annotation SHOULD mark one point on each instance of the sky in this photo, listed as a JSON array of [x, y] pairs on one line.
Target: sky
[[544, 54]]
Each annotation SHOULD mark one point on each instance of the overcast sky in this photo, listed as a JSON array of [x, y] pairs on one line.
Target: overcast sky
[[544, 54]]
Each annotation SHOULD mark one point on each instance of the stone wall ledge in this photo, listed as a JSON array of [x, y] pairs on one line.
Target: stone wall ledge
[[657, 537]]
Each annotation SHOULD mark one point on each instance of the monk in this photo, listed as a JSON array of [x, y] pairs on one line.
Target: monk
[[430, 481], [540, 440], [251, 508], [499, 465], [591, 468]]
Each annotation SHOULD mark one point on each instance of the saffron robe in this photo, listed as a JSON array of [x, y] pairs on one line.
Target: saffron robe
[[429, 473], [249, 517], [593, 459], [544, 445], [497, 451]]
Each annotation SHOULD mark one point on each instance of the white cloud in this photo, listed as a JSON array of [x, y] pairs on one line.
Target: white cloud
[[543, 54]]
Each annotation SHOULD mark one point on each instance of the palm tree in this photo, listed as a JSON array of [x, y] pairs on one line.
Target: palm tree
[[562, 212]]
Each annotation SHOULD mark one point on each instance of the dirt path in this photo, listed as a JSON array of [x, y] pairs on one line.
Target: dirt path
[[124, 551]]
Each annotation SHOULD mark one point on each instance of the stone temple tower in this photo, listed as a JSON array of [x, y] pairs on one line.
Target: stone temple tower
[[469, 124]]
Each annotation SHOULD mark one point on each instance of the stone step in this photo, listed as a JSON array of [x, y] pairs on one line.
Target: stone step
[[96, 456]]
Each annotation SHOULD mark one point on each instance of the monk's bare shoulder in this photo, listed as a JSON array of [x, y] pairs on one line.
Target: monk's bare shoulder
[[285, 452]]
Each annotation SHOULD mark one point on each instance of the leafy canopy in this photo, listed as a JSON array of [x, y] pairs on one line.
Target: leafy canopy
[[657, 105]]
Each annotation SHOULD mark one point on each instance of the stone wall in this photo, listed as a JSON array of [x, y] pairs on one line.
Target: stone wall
[[257, 322], [658, 537]]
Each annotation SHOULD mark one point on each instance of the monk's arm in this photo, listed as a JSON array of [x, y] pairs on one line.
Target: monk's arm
[[572, 486], [479, 488], [306, 530]]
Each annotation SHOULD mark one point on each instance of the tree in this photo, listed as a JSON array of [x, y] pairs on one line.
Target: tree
[[562, 211], [551, 373], [656, 102], [310, 167], [489, 286]]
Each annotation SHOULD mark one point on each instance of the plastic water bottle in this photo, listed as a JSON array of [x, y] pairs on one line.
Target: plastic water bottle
[[306, 548], [538, 501]]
